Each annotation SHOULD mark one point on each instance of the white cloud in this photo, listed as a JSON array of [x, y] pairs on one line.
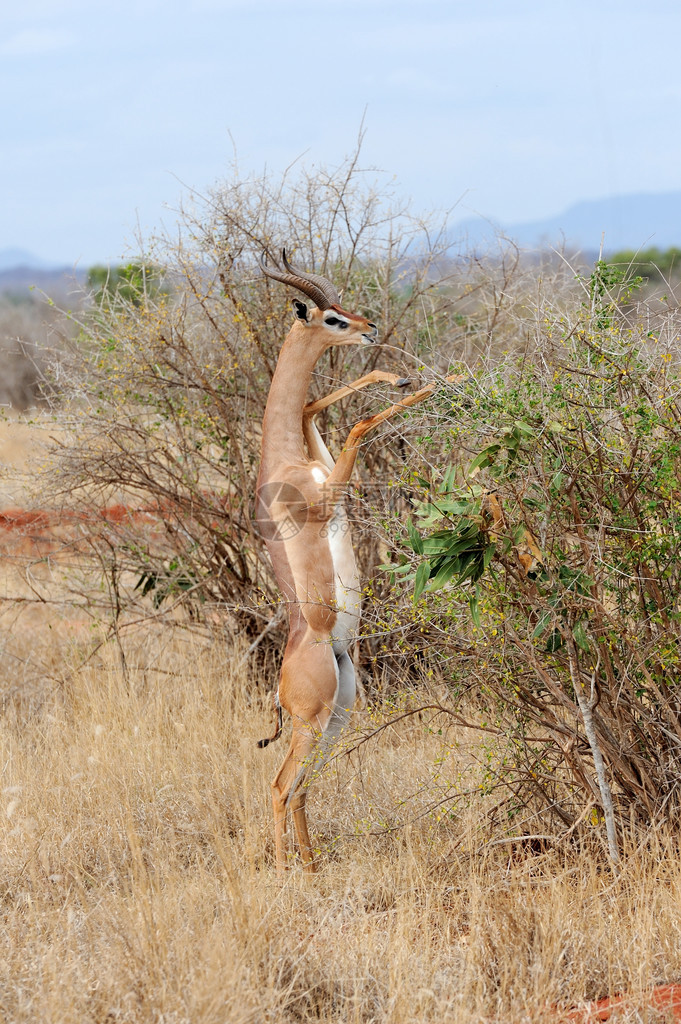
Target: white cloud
[[35, 42]]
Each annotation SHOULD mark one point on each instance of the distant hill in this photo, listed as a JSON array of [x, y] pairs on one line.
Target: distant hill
[[20, 270], [635, 221], [627, 222], [13, 257]]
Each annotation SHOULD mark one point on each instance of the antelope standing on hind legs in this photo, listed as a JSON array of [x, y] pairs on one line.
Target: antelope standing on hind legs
[[301, 515], [300, 512]]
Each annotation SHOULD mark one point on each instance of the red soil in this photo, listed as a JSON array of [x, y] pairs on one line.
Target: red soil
[[40, 519], [39, 532], [665, 1000]]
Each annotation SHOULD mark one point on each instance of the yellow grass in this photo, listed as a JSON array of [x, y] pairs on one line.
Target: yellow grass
[[23, 442], [137, 879], [136, 854]]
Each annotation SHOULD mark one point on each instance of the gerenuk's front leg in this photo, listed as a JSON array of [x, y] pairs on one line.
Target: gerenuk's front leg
[[346, 460], [374, 377]]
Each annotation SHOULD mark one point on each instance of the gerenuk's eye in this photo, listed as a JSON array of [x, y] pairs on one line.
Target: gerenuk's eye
[[331, 321]]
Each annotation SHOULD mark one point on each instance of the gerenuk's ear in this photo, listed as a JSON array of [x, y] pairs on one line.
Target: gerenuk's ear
[[300, 309]]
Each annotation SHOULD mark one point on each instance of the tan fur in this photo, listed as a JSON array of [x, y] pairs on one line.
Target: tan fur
[[299, 494]]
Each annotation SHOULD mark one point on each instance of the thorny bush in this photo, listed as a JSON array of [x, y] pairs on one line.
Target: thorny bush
[[580, 438], [567, 408], [171, 371]]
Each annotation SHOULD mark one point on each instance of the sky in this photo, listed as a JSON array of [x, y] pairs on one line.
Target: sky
[[111, 113]]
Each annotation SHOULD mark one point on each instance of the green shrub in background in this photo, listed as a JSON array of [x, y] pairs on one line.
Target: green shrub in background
[[166, 388], [653, 264], [131, 283], [581, 441], [567, 410]]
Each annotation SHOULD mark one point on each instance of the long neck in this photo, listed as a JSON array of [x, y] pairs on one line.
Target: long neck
[[282, 425]]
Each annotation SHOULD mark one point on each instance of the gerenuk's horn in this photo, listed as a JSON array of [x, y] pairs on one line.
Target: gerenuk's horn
[[321, 282], [321, 291]]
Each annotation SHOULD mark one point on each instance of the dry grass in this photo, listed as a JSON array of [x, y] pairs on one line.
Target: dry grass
[[137, 879], [23, 442], [136, 853]]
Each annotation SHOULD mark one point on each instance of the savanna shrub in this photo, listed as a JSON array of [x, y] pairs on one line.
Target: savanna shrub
[[171, 371], [580, 439], [566, 411]]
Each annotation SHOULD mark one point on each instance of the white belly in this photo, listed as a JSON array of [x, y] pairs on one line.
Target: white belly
[[347, 592]]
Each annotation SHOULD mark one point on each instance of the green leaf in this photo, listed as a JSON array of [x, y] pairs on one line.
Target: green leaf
[[415, 538], [451, 542], [467, 563], [475, 609], [542, 624], [487, 555], [554, 642], [449, 480], [476, 570], [444, 574], [485, 458], [457, 508], [421, 578], [148, 581], [465, 546], [579, 633]]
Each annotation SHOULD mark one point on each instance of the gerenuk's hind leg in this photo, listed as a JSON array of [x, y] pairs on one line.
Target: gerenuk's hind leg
[[337, 720], [344, 699], [288, 789], [307, 689]]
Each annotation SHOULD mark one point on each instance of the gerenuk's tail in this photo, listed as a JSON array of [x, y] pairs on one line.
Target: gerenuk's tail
[[277, 730]]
